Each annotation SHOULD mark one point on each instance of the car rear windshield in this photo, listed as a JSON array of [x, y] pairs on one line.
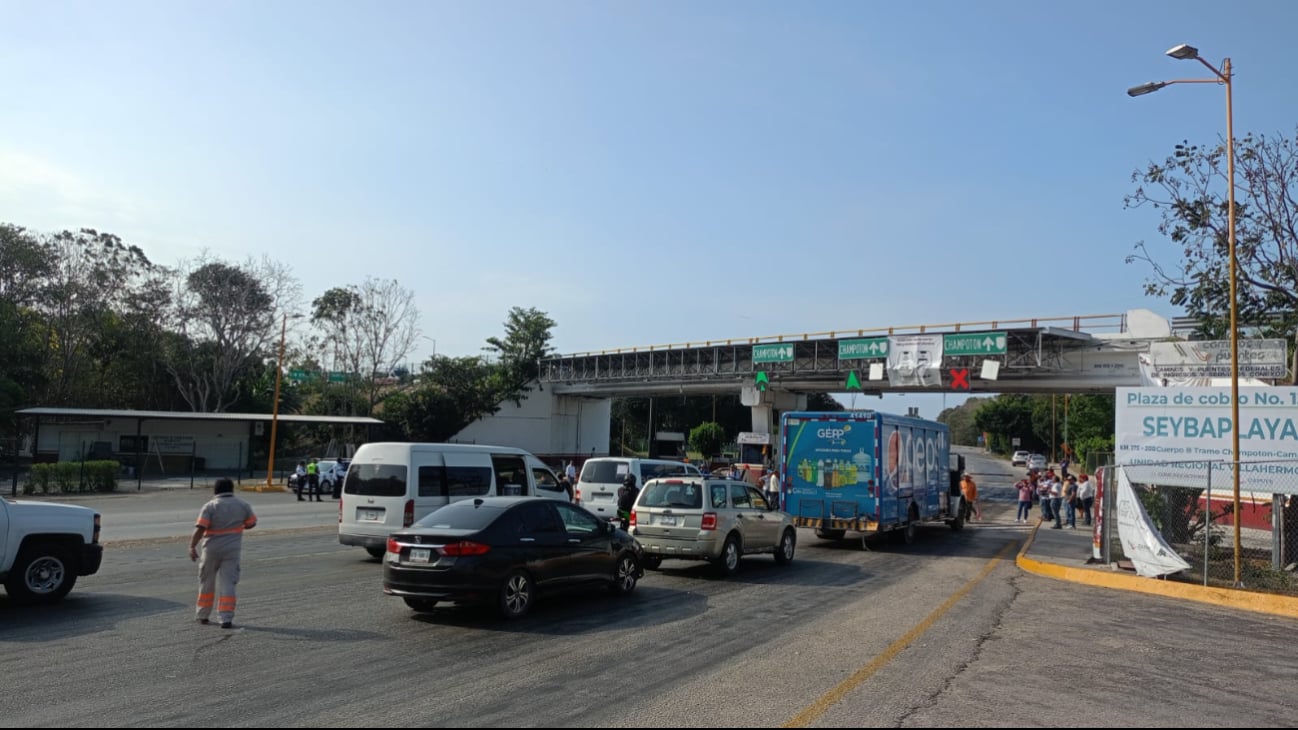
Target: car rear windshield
[[462, 515], [376, 480], [604, 472], [665, 494]]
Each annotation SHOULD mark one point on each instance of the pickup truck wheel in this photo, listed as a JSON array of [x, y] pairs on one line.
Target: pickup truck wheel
[[376, 552], [652, 562], [42, 573]]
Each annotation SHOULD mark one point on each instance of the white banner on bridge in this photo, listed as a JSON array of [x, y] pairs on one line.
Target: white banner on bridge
[[1178, 363], [915, 360]]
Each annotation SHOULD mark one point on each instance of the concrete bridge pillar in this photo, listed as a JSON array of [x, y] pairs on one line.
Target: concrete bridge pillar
[[766, 403]]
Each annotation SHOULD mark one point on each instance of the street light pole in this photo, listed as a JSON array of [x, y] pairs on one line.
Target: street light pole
[[274, 411], [1224, 77]]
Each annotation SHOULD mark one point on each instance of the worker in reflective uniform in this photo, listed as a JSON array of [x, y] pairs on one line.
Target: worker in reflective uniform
[[220, 528]]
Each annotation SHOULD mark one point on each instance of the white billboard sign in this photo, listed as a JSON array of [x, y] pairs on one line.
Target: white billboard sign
[[1211, 359], [915, 360], [1181, 432]]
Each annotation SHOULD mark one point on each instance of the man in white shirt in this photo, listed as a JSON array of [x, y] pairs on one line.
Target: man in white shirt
[[773, 488], [571, 472], [1085, 495]]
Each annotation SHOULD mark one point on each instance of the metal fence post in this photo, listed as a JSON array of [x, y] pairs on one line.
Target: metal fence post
[[1207, 525], [193, 459], [81, 478]]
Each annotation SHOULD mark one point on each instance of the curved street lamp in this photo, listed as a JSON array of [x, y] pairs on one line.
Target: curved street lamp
[[1186, 52]]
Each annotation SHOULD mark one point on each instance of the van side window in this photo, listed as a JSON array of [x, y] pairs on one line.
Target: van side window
[[468, 481], [511, 475], [545, 480], [432, 481]]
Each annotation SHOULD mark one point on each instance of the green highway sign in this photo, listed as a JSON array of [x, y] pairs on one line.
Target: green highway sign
[[761, 380], [975, 343], [335, 377], [859, 349], [853, 382], [782, 352]]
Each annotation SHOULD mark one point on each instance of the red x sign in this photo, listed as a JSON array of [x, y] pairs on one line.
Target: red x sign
[[960, 379]]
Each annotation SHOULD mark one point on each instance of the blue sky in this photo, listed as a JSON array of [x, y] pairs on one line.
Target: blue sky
[[644, 172]]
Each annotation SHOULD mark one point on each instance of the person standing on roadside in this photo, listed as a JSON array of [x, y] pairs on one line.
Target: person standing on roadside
[[216, 546], [1025, 489], [313, 480], [969, 490], [299, 480], [1056, 492], [1070, 502], [626, 495], [1043, 496], [570, 471], [1086, 495], [773, 489]]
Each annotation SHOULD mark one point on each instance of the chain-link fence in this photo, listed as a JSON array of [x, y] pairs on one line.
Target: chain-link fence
[[1192, 506]]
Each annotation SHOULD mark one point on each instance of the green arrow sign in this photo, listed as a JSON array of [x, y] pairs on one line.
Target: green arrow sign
[[974, 343], [773, 353], [860, 349], [761, 380], [853, 382]]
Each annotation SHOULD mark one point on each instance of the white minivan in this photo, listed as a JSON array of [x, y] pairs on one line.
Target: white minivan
[[389, 486], [596, 487]]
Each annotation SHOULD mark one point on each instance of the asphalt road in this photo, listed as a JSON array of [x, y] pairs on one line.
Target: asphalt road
[[947, 632]]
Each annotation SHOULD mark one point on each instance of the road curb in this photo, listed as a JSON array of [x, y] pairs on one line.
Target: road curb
[[1274, 605]]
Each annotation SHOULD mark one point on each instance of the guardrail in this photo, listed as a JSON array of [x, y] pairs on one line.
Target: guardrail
[[1090, 323]]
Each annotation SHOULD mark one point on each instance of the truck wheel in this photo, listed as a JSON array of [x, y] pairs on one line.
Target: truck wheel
[[830, 534], [376, 552], [43, 573], [907, 533]]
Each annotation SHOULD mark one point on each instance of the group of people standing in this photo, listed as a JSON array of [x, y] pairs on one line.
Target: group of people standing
[[1061, 498]]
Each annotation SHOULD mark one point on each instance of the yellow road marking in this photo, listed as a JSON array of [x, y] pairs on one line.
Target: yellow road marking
[[827, 700]]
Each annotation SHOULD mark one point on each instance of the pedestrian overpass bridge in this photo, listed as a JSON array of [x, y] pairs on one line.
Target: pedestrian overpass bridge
[[568, 415], [1077, 354]]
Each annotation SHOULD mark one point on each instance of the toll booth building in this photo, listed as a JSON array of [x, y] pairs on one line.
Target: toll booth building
[[164, 442]]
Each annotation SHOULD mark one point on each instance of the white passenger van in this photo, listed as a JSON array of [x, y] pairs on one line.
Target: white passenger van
[[391, 485], [596, 487]]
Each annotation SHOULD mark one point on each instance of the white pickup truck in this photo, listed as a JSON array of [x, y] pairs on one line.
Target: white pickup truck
[[44, 547]]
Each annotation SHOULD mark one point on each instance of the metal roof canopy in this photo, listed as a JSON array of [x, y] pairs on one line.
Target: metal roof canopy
[[197, 416]]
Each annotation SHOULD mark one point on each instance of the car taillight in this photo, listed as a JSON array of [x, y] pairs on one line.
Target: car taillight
[[709, 521], [632, 522], [393, 546], [576, 495], [408, 518], [463, 548]]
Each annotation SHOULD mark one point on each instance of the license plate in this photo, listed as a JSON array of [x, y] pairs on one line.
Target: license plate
[[371, 515], [420, 555], [668, 520]]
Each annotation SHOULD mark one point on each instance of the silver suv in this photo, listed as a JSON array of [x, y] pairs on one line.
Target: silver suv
[[700, 518]]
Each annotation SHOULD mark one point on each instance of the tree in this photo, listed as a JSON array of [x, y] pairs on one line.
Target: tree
[[961, 421], [1188, 189], [450, 396], [90, 277], [526, 341], [224, 318], [707, 438], [369, 330]]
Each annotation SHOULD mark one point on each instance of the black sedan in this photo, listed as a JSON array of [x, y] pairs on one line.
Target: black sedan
[[505, 550]]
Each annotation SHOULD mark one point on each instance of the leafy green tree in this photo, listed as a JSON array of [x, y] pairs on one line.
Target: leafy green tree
[[961, 422], [449, 397], [1188, 189], [526, 341], [707, 438]]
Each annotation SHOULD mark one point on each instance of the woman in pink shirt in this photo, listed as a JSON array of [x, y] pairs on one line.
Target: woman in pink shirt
[[1025, 499]]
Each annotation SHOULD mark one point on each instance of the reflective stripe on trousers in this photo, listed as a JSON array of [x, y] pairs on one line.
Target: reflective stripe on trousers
[[218, 573]]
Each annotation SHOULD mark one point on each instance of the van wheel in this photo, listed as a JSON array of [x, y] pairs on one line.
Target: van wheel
[[728, 563], [625, 575], [652, 562], [376, 552], [516, 595], [421, 605], [784, 551]]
